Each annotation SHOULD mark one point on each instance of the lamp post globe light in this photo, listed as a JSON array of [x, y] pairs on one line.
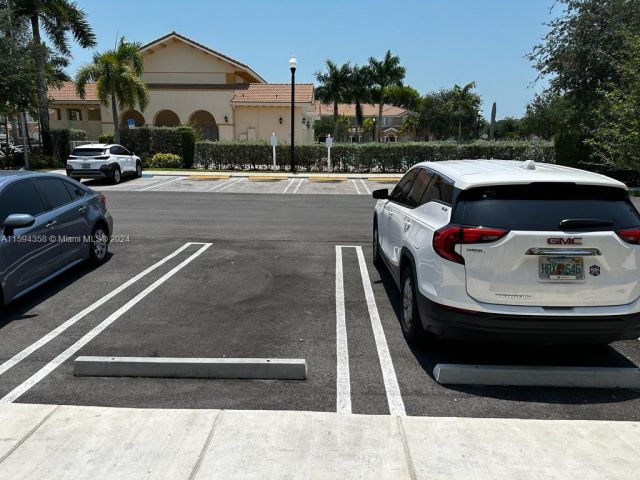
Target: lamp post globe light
[[293, 64]]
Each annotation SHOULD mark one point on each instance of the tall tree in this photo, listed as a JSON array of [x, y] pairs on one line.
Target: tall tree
[[58, 19], [465, 103], [385, 73], [118, 74], [404, 96], [334, 87], [359, 92]]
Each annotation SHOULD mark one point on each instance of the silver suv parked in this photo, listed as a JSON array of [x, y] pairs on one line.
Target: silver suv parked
[[48, 224]]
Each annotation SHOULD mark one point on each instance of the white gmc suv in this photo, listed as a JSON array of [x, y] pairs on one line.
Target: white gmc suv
[[102, 160], [511, 251]]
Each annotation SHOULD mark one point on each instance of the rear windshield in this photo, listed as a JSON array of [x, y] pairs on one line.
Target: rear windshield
[[543, 206], [87, 152]]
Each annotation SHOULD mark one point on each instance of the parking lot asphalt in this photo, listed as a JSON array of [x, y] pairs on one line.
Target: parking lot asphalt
[[219, 183], [261, 280]]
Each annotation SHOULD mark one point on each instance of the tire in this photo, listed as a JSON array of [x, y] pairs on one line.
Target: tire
[[377, 258], [116, 178], [409, 314], [99, 246], [138, 169]]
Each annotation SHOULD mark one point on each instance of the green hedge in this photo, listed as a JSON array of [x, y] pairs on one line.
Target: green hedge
[[147, 141], [61, 142], [164, 160], [390, 157]]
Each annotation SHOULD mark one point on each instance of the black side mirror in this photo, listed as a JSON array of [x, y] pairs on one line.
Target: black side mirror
[[381, 194]]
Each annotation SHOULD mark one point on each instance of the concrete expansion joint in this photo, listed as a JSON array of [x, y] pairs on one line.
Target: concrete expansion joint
[[205, 447], [29, 433], [407, 452]]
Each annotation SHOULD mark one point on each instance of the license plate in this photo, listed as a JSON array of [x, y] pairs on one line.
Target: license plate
[[86, 165], [561, 268]]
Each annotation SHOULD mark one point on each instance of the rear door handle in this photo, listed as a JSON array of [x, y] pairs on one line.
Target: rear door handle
[[82, 209], [51, 223], [407, 225]]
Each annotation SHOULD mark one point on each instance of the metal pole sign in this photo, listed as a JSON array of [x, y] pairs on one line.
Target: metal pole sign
[[328, 143], [274, 143]]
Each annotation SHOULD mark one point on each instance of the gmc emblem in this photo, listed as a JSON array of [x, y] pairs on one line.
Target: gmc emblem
[[564, 241]]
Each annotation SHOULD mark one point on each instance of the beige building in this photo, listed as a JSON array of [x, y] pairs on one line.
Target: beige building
[[191, 84]]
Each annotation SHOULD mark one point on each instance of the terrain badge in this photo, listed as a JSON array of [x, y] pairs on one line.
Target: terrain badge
[[594, 270]]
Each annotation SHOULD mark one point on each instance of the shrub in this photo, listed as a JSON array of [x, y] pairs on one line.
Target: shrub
[[147, 141], [364, 156], [77, 134], [165, 160], [571, 149], [106, 137]]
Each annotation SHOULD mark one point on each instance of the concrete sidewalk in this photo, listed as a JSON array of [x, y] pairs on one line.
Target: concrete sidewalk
[[48, 441]]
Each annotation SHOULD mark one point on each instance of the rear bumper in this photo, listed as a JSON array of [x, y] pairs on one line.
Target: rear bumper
[[452, 323], [77, 173]]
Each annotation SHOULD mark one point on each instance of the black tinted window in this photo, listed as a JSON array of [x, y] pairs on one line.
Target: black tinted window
[[76, 191], [53, 191], [87, 152], [418, 188], [399, 193], [440, 190], [20, 197], [541, 206]]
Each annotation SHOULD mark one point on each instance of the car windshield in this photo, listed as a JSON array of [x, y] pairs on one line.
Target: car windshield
[[543, 206], [87, 152]]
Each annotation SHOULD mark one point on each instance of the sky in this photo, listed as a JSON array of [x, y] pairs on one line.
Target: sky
[[439, 42]]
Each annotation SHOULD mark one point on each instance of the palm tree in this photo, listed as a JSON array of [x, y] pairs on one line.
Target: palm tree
[[464, 102], [118, 74], [58, 18], [385, 73], [334, 87], [359, 92]]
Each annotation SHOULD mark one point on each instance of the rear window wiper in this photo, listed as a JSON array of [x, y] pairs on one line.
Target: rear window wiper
[[582, 223]]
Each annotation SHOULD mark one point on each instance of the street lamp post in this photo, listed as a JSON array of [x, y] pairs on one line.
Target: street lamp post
[[293, 63]]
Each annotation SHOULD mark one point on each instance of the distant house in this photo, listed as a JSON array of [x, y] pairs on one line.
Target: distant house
[[191, 84], [392, 119]]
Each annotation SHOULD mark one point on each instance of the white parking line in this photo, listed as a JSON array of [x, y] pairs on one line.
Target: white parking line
[[356, 186], [291, 182], [298, 186], [364, 184], [230, 184], [220, 184], [161, 184], [394, 398], [18, 357], [343, 383], [64, 356]]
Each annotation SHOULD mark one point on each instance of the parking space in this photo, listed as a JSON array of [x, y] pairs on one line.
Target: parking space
[[248, 184], [258, 276]]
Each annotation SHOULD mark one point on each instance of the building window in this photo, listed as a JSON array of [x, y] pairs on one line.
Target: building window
[[75, 114], [93, 115], [54, 114]]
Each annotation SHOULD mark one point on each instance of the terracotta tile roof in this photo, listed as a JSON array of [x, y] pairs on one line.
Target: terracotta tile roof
[[204, 47], [368, 110], [68, 93], [273, 93]]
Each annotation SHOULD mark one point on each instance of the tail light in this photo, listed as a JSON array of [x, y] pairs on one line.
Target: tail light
[[630, 235], [102, 198], [102, 157], [72, 157], [446, 239]]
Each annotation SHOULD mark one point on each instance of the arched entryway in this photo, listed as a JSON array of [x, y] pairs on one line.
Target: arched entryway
[[166, 118], [132, 114], [205, 124]]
